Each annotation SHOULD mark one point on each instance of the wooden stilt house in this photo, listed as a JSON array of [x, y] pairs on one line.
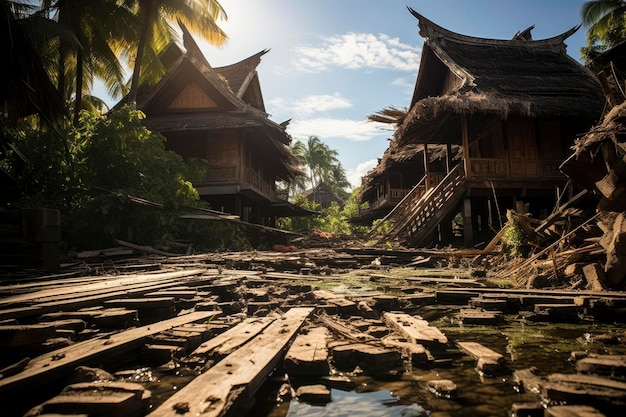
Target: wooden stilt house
[[515, 108], [218, 114], [397, 173]]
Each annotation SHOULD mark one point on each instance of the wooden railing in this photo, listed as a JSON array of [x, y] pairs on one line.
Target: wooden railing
[[255, 179], [415, 217], [398, 194], [496, 168], [487, 168]]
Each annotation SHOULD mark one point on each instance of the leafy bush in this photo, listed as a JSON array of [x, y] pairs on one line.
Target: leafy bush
[[119, 181]]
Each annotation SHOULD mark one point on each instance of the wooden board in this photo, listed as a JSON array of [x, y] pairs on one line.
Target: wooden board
[[54, 364], [308, 354], [415, 329], [477, 351], [108, 285], [238, 376], [227, 342]]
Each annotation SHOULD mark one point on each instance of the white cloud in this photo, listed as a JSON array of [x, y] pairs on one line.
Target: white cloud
[[311, 104], [326, 127], [354, 175], [358, 50], [405, 83]]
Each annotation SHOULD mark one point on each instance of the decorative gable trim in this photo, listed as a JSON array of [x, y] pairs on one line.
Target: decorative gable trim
[[192, 97]]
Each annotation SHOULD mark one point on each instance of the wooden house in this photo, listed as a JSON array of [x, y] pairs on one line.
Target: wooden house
[[515, 107], [218, 114], [323, 195], [397, 173]]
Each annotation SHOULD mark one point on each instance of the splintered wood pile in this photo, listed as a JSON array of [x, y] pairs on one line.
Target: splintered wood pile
[[591, 250], [560, 250]]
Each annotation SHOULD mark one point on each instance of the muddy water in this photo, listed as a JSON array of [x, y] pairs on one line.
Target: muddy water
[[546, 346]]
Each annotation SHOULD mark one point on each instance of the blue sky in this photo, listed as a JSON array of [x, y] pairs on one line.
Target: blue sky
[[333, 62]]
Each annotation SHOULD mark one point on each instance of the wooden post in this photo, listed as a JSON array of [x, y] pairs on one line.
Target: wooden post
[[426, 170], [448, 157], [466, 145], [468, 232]]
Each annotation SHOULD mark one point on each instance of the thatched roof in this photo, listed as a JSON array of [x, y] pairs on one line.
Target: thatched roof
[[394, 155], [516, 77], [322, 194], [228, 87]]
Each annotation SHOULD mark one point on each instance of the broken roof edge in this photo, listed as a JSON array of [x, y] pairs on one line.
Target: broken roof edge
[[431, 30]]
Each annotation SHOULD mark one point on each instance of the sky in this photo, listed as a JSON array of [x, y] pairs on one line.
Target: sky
[[334, 62]]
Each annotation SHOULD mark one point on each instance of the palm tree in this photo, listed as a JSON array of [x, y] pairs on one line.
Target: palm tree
[[200, 16], [605, 20], [322, 164], [100, 31], [25, 86], [337, 180]]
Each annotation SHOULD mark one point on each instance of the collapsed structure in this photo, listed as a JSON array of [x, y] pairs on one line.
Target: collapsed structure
[[513, 109]]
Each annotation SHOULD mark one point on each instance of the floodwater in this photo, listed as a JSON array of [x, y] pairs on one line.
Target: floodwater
[[545, 346]]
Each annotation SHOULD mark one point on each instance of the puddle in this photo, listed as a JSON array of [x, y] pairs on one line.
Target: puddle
[[546, 346], [350, 404]]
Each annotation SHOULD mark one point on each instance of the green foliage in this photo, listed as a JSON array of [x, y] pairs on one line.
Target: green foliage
[[122, 182], [513, 239], [334, 219], [381, 226], [300, 224], [322, 164], [606, 23]]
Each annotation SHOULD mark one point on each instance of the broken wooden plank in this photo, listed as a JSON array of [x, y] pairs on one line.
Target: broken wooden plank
[[610, 366], [371, 359], [103, 285], [345, 331], [479, 316], [19, 335], [229, 341], [488, 362], [577, 388], [110, 398], [54, 364], [416, 330], [236, 378], [317, 394], [572, 411], [308, 354]]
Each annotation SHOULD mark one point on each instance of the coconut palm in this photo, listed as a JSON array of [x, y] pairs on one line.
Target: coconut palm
[[322, 164], [199, 16], [606, 23], [100, 30], [25, 86]]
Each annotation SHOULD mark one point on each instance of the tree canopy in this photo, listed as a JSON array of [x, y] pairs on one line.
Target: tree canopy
[[605, 21]]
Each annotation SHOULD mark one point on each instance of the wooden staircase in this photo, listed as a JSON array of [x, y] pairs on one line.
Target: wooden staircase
[[415, 217]]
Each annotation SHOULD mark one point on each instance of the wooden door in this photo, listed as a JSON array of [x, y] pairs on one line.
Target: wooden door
[[523, 155]]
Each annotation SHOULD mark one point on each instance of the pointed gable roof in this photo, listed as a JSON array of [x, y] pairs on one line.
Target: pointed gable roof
[[462, 74], [243, 79], [194, 96]]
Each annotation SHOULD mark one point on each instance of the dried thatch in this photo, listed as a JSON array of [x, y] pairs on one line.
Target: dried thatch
[[520, 77], [394, 155]]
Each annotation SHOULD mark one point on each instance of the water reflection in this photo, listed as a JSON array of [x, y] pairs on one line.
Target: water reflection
[[350, 404]]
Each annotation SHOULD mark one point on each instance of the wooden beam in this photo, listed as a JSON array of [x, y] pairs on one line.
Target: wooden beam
[[227, 342], [468, 231], [235, 379], [465, 143], [57, 363], [415, 329]]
